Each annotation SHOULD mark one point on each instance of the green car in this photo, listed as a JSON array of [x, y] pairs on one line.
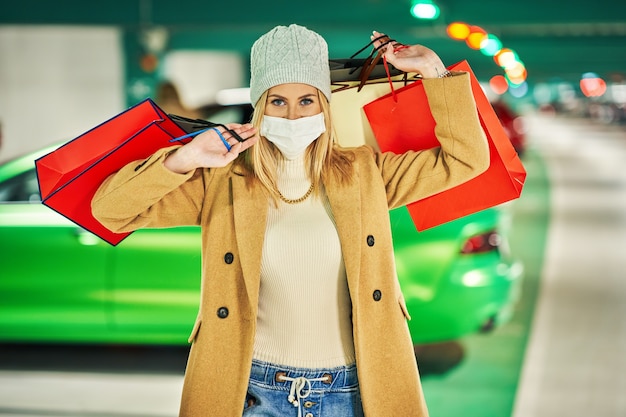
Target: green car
[[60, 283]]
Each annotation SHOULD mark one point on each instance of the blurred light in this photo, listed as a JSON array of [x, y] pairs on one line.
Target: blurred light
[[155, 39], [618, 91], [476, 36], [518, 91], [516, 70], [484, 242], [566, 93], [490, 45], [149, 63], [516, 73], [458, 30], [87, 239], [542, 93], [519, 125], [505, 57], [139, 88], [474, 279], [424, 9], [592, 85], [498, 84]]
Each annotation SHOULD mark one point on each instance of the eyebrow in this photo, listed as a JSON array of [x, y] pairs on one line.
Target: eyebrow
[[299, 98]]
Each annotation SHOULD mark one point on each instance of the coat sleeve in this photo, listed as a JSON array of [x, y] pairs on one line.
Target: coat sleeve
[[463, 154], [147, 194]]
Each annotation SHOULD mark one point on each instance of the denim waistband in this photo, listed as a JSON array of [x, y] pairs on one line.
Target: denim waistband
[[269, 374]]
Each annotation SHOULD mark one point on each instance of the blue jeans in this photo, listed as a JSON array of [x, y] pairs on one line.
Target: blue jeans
[[281, 391]]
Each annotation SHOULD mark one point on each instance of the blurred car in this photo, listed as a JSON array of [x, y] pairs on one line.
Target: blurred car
[[60, 283], [513, 125]]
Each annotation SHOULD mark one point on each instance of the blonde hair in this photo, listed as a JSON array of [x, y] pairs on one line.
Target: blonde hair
[[324, 157]]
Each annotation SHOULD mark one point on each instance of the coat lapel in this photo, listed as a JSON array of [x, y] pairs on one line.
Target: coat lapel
[[345, 202], [250, 215]]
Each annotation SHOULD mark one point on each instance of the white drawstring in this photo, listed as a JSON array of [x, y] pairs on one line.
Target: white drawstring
[[300, 388]]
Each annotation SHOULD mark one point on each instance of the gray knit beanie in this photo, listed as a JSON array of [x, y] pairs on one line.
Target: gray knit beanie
[[289, 54]]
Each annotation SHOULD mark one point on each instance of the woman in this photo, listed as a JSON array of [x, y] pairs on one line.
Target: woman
[[301, 312]]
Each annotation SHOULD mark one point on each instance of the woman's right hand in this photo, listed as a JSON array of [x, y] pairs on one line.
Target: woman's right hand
[[410, 58], [208, 151]]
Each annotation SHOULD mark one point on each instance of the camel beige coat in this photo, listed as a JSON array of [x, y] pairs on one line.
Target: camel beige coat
[[232, 216]]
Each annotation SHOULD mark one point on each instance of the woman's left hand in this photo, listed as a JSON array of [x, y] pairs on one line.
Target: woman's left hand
[[208, 150], [411, 58]]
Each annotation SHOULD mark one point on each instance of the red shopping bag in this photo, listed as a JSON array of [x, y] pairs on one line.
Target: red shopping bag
[[70, 175], [399, 125]]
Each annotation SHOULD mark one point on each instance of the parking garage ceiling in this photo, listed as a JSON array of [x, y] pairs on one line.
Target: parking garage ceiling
[[555, 39]]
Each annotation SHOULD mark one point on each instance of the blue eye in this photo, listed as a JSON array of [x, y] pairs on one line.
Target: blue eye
[[278, 102]]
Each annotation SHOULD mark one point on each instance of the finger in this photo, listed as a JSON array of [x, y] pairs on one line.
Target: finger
[[232, 129], [245, 131], [242, 146], [379, 39], [233, 125], [377, 35], [239, 128], [397, 47]]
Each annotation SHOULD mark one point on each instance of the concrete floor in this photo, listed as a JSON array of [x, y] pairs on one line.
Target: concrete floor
[[80, 394], [574, 365], [91, 381]]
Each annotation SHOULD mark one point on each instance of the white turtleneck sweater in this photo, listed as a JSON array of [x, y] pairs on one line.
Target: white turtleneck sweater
[[304, 304]]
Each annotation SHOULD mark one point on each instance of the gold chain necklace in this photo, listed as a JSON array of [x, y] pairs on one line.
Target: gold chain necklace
[[297, 200]]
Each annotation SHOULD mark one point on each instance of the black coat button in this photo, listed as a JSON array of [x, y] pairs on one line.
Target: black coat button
[[370, 240], [222, 312], [377, 295], [229, 258]]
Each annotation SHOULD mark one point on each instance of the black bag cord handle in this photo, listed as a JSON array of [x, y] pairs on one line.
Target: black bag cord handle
[[372, 60], [192, 125], [376, 50]]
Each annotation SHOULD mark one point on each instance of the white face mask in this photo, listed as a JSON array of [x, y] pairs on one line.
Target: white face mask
[[292, 137]]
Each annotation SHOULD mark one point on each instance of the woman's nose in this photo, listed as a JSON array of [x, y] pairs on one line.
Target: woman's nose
[[292, 113]]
